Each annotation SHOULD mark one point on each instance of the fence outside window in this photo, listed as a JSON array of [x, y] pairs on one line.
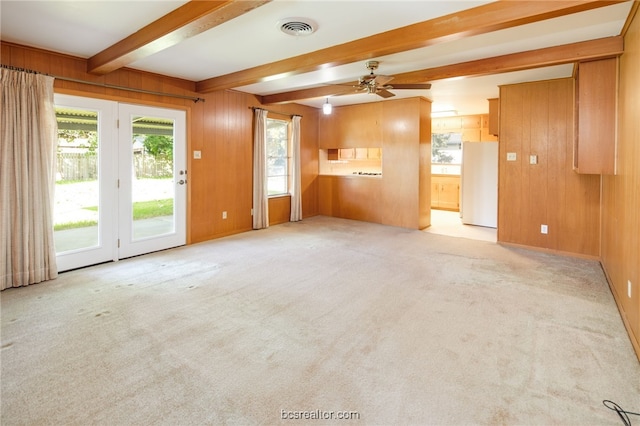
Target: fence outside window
[[76, 166]]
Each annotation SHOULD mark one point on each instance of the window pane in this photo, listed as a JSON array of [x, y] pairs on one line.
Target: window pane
[[446, 148], [277, 185], [77, 190], [277, 156]]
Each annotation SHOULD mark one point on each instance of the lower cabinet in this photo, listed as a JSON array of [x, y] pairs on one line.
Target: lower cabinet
[[351, 197], [445, 192]]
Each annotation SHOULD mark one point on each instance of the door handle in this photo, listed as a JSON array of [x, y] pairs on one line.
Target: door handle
[[182, 181]]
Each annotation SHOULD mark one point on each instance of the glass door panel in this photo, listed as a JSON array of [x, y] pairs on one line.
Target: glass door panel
[[82, 224], [76, 195], [152, 188], [152, 179]]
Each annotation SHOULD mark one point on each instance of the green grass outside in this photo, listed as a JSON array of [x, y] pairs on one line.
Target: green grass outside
[[141, 210]]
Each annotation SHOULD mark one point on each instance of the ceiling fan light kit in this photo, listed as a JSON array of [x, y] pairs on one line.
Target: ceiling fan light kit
[[327, 107]]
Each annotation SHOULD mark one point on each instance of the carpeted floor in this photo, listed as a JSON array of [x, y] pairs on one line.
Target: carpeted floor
[[325, 318]]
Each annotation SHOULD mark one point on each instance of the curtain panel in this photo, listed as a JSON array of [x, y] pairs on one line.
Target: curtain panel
[[260, 190], [296, 190], [28, 141]]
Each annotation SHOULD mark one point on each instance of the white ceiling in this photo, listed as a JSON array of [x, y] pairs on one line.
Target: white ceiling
[[84, 28]]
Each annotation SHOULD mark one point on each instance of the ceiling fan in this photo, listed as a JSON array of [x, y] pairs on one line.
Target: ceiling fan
[[377, 84]]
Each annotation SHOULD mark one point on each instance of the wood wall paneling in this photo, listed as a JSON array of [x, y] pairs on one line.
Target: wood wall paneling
[[424, 184], [220, 127], [279, 210], [537, 119], [401, 161], [620, 249]]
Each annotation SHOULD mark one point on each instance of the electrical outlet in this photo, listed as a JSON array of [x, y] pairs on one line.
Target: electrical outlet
[[224, 215], [629, 288], [511, 156], [533, 159], [197, 155], [544, 229]]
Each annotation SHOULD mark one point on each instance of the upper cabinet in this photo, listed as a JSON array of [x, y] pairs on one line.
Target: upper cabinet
[[494, 116], [353, 126], [328, 130], [594, 150], [472, 128]]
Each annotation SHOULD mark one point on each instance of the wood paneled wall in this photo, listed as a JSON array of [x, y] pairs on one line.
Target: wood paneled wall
[[221, 127], [406, 163], [621, 194], [537, 119]]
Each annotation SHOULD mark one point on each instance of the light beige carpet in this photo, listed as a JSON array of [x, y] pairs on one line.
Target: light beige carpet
[[321, 317]]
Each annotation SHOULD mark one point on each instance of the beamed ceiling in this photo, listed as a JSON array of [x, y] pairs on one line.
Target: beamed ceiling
[[464, 49]]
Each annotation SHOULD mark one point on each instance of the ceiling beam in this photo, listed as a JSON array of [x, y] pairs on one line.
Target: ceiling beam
[[311, 93], [557, 55], [479, 20], [188, 20]]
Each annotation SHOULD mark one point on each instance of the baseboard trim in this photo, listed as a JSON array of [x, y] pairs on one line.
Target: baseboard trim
[[634, 340], [551, 251]]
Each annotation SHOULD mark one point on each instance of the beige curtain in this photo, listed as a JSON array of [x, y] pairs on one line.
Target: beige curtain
[[28, 140], [260, 191], [296, 190]]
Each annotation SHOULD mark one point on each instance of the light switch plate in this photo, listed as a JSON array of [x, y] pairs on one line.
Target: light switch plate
[[533, 159], [197, 155], [511, 156]]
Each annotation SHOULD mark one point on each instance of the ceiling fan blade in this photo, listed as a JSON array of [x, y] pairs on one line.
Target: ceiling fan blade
[[425, 86], [384, 93], [381, 80]]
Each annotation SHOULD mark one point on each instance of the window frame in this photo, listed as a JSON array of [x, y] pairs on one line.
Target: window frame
[[287, 157]]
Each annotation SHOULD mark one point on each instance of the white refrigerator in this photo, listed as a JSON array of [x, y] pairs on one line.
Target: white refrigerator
[[479, 184]]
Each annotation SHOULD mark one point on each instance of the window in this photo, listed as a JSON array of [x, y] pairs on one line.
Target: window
[[277, 157], [446, 148]]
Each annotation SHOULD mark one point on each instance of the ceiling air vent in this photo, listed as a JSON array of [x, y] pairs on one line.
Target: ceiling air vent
[[297, 26]]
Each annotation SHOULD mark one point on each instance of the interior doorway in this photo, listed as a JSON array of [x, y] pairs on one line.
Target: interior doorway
[[445, 222], [120, 180]]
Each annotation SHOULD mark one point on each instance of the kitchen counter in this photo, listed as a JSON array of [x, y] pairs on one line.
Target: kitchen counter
[[354, 175], [445, 175]]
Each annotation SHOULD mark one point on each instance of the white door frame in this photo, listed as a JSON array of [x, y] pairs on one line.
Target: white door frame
[[128, 245], [106, 249], [114, 181]]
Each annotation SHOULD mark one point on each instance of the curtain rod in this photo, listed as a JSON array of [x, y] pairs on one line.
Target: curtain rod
[[107, 86], [275, 112]]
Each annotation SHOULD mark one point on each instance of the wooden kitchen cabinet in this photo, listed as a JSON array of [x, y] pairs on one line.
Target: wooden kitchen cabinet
[[359, 125], [401, 195], [446, 124], [445, 192], [362, 153], [594, 149], [469, 126], [485, 132], [494, 116], [374, 153], [470, 121], [346, 153], [328, 136]]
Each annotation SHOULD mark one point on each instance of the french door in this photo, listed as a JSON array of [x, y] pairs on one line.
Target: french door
[[121, 181]]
